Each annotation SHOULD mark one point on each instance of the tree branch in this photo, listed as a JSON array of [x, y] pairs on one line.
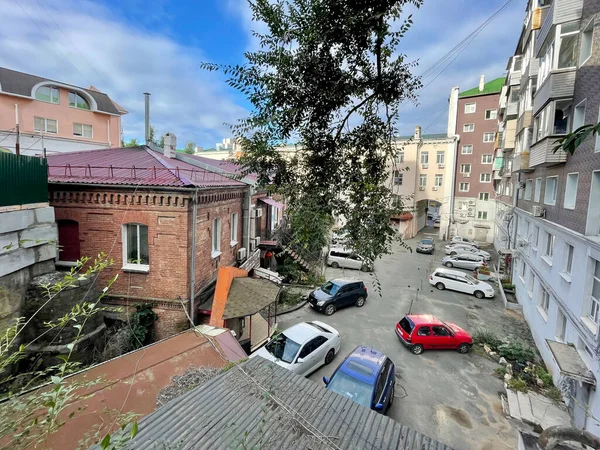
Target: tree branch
[[552, 436], [352, 111]]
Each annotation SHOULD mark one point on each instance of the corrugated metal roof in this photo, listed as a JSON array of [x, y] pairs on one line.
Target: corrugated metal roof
[[248, 296], [131, 166], [491, 87], [288, 412]]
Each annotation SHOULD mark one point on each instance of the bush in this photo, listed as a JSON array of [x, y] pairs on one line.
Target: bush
[[516, 352], [517, 384], [553, 393], [543, 375], [290, 298], [510, 287], [486, 337], [501, 371]]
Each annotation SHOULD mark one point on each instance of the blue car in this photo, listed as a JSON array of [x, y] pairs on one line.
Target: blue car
[[367, 377]]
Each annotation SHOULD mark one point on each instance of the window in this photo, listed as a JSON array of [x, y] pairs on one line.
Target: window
[[562, 113], [400, 157], [586, 43], [77, 101], [465, 168], [484, 196], [549, 248], [595, 298], [538, 188], [569, 263], [536, 237], [579, 115], [482, 215], [47, 94], [83, 130], [544, 301], [424, 157], [468, 127], [597, 145], [440, 157], [546, 59], [135, 248], [550, 192], [45, 125], [438, 180], [68, 240], [491, 114], [463, 187], [487, 159], [424, 331], [571, 190], [216, 237], [398, 176], [523, 269], [530, 283], [489, 137], [561, 326], [467, 149], [470, 108], [235, 218], [485, 177], [528, 188], [440, 331], [568, 51], [422, 180]]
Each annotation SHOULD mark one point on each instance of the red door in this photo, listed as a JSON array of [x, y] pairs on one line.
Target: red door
[[68, 240], [423, 337], [442, 337]]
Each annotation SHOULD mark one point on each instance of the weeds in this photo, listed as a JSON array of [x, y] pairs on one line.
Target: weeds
[[516, 352], [501, 371], [482, 337], [554, 394], [517, 384]]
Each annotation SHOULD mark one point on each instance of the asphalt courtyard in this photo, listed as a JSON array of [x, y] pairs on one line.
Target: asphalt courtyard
[[451, 397]]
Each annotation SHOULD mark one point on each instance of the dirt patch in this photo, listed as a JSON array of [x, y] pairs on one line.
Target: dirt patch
[[445, 412]]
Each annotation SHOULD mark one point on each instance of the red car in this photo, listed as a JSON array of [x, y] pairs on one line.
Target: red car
[[423, 331]]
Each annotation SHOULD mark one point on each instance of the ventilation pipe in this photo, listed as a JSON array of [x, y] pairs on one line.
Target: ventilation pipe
[[170, 145], [481, 83], [147, 117]]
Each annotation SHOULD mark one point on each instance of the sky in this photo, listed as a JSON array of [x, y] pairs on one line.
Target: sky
[[128, 47]]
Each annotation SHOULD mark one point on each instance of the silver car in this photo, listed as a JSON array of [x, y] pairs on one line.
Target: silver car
[[464, 261], [455, 249]]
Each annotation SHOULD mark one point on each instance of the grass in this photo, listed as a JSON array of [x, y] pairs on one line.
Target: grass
[[482, 336], [554, 394], [500, 372], [543, 375], [517, 384]]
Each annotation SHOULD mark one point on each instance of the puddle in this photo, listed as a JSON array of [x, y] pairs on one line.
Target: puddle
[[457, 415]]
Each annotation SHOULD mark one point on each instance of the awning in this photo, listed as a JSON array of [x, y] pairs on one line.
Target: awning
[[270, 201], [403, 216], [248, 296], [570, 363]]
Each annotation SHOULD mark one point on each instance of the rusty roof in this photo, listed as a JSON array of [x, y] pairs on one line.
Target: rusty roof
[[248, 296]]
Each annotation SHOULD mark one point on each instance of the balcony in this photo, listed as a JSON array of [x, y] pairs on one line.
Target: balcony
[[559, 84], [521, 163], [561, 11], [525, 121], [512, 109], [514, 78], [543, 156]]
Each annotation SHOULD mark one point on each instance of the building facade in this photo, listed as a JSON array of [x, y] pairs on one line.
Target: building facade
[[555, 215], [55, 116]]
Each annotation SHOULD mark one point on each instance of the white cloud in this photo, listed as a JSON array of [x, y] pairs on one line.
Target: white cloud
[[122, 60]]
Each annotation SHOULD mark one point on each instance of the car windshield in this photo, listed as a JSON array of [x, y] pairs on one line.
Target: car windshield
[[426, 241], [471, 279], [330, 288], [452, 329], [283, 348], [350, 387]]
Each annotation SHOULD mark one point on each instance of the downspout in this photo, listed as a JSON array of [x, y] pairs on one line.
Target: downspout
[[246, 225], [451, 218], [193, 263], [108, 129], [417, 177]]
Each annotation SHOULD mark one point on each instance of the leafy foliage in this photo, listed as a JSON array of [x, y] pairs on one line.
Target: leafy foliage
[[190, 147], [329, 76], [572, 141], [488, 338], [516, 352], [517, 384], [141, 321]]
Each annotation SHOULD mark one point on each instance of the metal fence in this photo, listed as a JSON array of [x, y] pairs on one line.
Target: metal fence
[[23, 180]]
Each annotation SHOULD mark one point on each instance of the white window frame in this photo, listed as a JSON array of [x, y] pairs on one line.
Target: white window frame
[[571, 190], [549, 248], [579, 115], [468, 128], [528, 189], [587, 33], [487, 159], [470, 108], [216, 233], [523, 273], [491, 116], [531, 283], [547, 200], [465, 166], [594, 307], [82, 134], [398, 178], [134, 266], [424, 157], [487, 135], [561, 326], [568, 269], [438, 180], [480, 215], [487, 175], [440, 157], [460, 187], [77, 94], [400, 158], [597, 144], [537, 193], [484, 196], [423, 180], [52, 90], [544, 303], [466, 149], [45, 130], [235, 220], [535, 238]]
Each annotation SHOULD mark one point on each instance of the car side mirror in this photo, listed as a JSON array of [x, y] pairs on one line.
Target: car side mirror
[[326, 381], [379, 406], [299, 360]]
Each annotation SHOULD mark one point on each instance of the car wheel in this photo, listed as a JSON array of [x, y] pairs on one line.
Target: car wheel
[[440, 286], [360, 301], [448, 264], [329, 310], [330, 355], [463, 348], [364, 269], [335, 265], [417, 349], [452, 253], [479, 294]]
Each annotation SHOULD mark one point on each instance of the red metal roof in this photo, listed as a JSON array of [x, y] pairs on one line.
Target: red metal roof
[[131, 166], [228, 166]]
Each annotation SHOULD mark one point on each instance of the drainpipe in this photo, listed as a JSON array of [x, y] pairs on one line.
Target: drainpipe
[[456, 138], [193, 263], [147, 117], [108, 129], [246, 224]]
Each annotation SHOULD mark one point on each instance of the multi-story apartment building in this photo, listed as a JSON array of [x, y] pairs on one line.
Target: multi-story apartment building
[[56, 116], [554, 215], [473, 119], [421, 178]]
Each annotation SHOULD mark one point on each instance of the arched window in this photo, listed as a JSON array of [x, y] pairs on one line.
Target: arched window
[[135, 246], [77, 101], [47, 94], [68, 241]]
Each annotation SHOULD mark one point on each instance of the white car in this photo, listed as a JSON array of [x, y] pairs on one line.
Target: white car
[[464, 240], [455, 249], [345, 258], [464, 261], [459, 281], [302, 348]]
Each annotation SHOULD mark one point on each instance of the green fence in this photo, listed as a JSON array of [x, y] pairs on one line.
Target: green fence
[[23, 180]]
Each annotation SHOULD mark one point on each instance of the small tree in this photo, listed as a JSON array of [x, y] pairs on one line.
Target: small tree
[[132, 143], [573, 140], [190, 147]]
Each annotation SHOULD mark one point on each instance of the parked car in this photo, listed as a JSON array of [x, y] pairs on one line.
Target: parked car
[[464, 240], [436, 223], [302, 348], [367, 377], [339, 238], [342, 257], [455, 249], [421, 332], [426, 245], [338, 293], [459, 281], [464, 261]]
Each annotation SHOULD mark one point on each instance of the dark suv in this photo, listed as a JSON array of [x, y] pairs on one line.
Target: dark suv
[[337, 294]]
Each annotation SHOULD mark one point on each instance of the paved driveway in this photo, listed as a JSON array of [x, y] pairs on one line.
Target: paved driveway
[[448, 396]]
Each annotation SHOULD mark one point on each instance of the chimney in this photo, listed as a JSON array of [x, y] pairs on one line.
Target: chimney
[[417, 135], [481, 83], [170, 145], [452, 111], [147, 117]]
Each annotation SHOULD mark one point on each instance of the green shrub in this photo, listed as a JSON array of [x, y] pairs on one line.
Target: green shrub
[[543, 375], [516, 352], [486, 337], [508, 286], [517, 384], [500, 371], [554, 394]]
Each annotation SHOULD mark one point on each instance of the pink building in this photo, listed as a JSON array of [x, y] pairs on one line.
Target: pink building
[[56, 116]]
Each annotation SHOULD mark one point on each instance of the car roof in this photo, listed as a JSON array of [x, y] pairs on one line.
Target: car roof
[[344, 281], [449, 271], [426, 239], [469, 254], [366, 357], [424, 319], [301, 332]]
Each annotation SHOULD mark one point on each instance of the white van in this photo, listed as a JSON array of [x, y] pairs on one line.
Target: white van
[[459, 281], [342, 257]]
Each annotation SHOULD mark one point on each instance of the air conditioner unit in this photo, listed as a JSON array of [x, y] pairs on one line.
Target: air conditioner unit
[[258, 212], [472, 202], [440, 166], [257, 241], [424, 166], [435, 188], [421, 188], [252, 245], [466, 174], [462, 214], [241, 254], [536, 211]]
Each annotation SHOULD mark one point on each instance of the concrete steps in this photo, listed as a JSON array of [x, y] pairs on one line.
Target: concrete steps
[[535, 409]]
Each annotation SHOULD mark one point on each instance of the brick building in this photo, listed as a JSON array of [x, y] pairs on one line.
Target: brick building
[[168, 220]]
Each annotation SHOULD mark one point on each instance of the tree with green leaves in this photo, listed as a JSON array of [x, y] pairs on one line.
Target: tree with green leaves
[[190, 147], [572, 141], [131, 143], [330, 76]]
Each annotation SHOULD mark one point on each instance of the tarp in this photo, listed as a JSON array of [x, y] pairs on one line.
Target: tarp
[[270, 201]]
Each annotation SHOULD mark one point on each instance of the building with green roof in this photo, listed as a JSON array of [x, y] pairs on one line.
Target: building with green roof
[[491, 87]]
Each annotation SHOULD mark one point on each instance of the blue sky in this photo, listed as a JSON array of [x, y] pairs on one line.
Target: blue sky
[[127, 47]]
